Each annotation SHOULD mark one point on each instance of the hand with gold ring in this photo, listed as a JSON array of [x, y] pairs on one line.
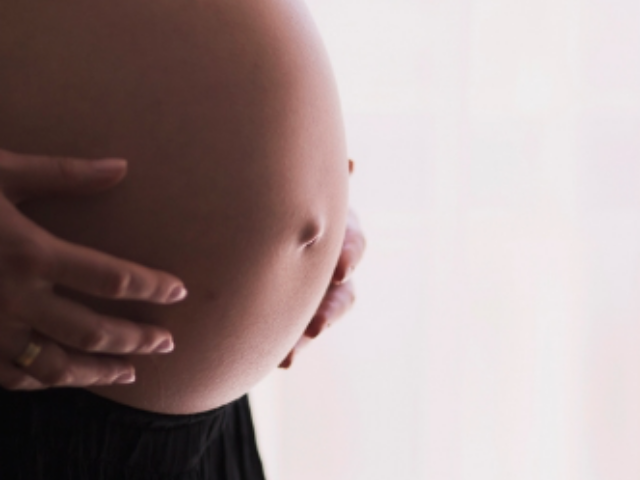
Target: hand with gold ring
[[47, 340], [340, 294]]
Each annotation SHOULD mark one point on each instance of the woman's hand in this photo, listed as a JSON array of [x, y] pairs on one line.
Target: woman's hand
[[340, 295], [78, 347]]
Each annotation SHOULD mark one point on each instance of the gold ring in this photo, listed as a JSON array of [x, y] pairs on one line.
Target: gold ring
[[29, 355]]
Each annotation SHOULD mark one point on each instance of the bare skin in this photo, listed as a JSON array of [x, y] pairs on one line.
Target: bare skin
[[22, 177], [340, 295], [238, 183], [79, 346]]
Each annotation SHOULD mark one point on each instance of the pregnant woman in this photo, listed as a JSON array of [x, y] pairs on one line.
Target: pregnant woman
[[237, 184]]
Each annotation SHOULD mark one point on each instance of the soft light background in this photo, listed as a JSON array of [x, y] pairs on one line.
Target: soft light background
[[497, 329]]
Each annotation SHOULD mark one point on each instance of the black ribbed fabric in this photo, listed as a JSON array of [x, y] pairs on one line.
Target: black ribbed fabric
[[72, 434]]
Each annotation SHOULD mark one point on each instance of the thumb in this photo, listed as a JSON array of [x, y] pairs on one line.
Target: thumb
[[25, 176]]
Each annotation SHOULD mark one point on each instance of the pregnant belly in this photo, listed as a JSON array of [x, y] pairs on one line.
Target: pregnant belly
[[228, 115]]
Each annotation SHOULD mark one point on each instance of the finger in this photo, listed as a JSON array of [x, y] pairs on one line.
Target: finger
[[79, 327], [300, 345], [335, 303], [337, 300], [286, 363], [97, 273], [58, 367], [37, 252], [353, 248], [25, 176], [13, 378]]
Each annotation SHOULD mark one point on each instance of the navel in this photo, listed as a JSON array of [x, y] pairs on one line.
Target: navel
[[310, 234]]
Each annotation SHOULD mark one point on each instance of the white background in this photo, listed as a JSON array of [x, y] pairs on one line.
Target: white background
[[496, 334]]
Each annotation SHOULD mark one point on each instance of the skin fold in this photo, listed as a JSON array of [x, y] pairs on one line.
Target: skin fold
[[237, 182]]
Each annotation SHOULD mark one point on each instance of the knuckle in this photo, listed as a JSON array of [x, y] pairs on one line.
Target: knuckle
[[67, 168], [61, 375], [116, 284], [28, 257], [59, 371], [363, 242], [351, 298], [148, 337], [95, 339], [352, 290], [348, 297]]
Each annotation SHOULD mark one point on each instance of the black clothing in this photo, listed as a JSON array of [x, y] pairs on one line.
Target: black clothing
[[73, 434]]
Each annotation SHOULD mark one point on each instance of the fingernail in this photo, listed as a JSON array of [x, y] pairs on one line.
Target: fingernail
[[177, 293], [109, 166], [165, 346], [128, 377]]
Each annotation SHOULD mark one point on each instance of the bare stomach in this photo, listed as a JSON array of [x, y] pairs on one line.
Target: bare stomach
[[228, 115]]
